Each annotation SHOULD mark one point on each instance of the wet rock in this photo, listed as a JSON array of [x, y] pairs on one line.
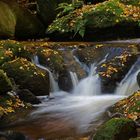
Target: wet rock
[[27, 96], [5, 83], [113, 71], [28, 76], [116, 129], [64, 80], [113, 61], [24, 25]]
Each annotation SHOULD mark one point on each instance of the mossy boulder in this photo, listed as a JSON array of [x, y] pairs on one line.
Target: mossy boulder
[[104, 21], [27, 76], [5, 83], [7, 22], [50, 58], [10, 49], [116, 129], [26, 24]]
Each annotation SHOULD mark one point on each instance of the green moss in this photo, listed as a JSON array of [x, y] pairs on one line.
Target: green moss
[[5, 83], [50, 58], [116, 129], [27, 76], [17, 49]]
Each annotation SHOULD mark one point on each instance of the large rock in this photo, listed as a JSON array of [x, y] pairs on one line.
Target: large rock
[[113, 71], [28, 76], [27, 96], [117, 129], [47, 9], [24, 24], [7, 22], [5, 83]]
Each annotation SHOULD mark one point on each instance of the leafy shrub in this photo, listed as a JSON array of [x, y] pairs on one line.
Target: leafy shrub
[[102, 15]]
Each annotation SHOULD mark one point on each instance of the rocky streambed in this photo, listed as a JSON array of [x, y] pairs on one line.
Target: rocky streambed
[[64, 90]]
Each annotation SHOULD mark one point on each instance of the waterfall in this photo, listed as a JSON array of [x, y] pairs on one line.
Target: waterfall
[[53, 83], [83, 65], [129, 84], [74, 79], [90, 85], [82, 111]]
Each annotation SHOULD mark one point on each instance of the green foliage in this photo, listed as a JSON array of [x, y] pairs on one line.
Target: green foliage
[[66, 8], [102, 15], [5, 83]]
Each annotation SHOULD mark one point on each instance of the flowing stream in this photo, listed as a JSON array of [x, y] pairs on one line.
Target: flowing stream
[[77, 114]]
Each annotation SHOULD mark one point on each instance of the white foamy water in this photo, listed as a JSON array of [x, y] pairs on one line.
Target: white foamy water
[[74, 79], [129, 84], [85, 106], [53, 83]]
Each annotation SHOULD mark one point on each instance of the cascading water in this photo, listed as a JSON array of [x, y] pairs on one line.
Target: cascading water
[[53, 83], [129, 84], [89, 85], [79, 112], [74, 79]]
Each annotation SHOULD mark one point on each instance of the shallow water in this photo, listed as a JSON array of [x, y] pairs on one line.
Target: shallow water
[[75, 115]]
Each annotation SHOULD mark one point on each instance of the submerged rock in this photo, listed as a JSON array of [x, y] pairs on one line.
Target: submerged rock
[[116, 129], [27, 76]]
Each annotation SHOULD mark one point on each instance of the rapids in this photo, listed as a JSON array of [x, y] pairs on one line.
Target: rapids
[[76, 114]]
